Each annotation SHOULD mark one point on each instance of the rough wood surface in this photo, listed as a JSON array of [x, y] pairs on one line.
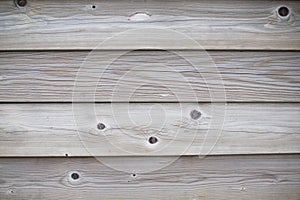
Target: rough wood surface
[[218, 177], [51, 129], [76, 24], [252, 62], [140, 76]]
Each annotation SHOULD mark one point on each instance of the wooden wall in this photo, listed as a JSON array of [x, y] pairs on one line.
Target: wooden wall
[[86, 87]]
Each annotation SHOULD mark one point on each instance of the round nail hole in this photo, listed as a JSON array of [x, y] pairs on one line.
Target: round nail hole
[[75, 176], [283, 11], [153, 140], [21, 3], [101, 126], [11, 191], [93, 6], [133, 175], [195, 114]]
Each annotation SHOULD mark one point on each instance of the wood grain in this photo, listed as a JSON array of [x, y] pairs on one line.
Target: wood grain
[[146, 76], [76, 24], [240, 97], [218, 177], [51, 129]]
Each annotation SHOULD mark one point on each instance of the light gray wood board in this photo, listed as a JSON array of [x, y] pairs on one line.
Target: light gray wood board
[[145, 76], [218, 177], [75, 24], [57, 129]]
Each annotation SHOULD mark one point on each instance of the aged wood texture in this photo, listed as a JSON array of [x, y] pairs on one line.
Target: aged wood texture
[[218, 177], [50, 129], [76, 24], [145, 76], [250, 72]]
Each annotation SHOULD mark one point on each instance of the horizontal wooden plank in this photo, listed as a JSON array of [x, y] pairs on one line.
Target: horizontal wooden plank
[[180, 129], [77, 24], [139, 76], [229, 177]]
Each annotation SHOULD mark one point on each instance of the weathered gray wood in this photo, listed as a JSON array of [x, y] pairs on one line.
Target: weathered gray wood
[[163, 76], [219, 177], [51, 129], [76, 24]]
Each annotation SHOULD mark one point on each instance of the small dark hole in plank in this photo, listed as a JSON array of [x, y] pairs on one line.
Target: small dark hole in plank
[[101, 126], [93, 6], [11, 191], [195, 114], [75, 176], [153, 140], [21, 3], [283, 11]]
